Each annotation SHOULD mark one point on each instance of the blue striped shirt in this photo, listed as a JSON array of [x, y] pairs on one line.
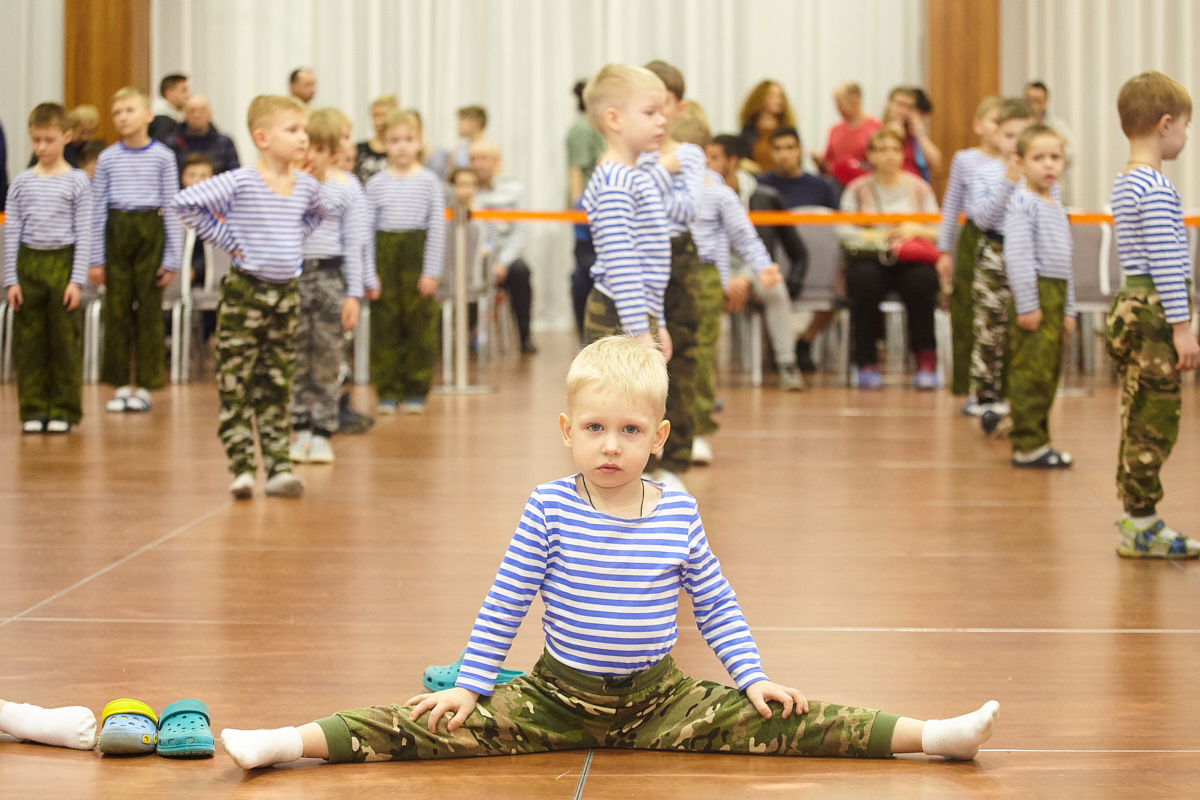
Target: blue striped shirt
[[1037, 244], [47, 212], [682, 192], [1151, 240], [134, 180], [963, 177], [610, 588], [633, 249], [238, 211], [722, 223], [340, 235], [412, 203]]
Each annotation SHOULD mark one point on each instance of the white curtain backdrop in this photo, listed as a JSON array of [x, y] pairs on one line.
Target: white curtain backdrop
[[31, 69], [1084, 50], [520, 58]]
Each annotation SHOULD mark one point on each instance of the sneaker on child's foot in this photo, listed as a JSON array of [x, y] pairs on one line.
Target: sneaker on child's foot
[[242, 487], [139, 402], [925, 381], [870, 379], [1157, 541], [790, 380], [319, 452], [33, 426], [387, 407], [284, 484], [301, 444], [58, 425], [702, 452], [413, 405], [804, 359], [119, 400]]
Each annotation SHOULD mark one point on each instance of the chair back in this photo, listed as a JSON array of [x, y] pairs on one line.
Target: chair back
[[825, 257]]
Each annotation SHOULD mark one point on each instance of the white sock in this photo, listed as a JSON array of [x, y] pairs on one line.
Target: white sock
[[251, 749], [72, 726], [1141, 523], [960, 737]]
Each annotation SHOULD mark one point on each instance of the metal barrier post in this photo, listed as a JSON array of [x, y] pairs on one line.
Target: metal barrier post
[[462, 335]]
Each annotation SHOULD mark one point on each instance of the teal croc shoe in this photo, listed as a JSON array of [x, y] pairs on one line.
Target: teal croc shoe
[[127, 728], [435, 679], [183, 731]]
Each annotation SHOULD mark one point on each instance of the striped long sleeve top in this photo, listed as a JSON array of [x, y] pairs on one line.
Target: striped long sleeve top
[[963, 177], [46, 212], [723, 223], [1037, 243], [610, 588], [136, 180], [340, 235], [1151, 240], [411, 203], [239, 213], [633, 250], [682, 192]]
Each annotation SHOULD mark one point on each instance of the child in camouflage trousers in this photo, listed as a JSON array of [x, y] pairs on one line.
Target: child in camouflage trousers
[[609, 551], [1149, 328]]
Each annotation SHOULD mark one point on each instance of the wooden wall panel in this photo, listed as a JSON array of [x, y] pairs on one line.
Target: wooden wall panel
[[106, 46], [963, 46]]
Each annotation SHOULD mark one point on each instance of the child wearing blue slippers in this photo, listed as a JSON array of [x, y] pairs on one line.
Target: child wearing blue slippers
[[130, 727]]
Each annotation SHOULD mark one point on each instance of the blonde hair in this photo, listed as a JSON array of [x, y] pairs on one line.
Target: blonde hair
[[1144, 100], [1036, 132], [389, 101], [987, 105], [691, 126], [613, 86], [1014, 108], [629, 365], [884, 133], [398, 117], [126, 92], [325, 128], [265, 106], [84, 116]]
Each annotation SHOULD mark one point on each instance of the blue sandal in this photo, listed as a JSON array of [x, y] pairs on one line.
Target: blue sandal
[[127, 727], [435, 679], [183, 731]]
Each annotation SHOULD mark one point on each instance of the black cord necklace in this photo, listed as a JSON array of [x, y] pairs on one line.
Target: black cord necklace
[[641, 506]]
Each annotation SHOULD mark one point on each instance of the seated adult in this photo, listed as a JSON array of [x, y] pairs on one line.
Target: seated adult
[[903, 115], [765, 111], [797, 187], [511, 272], [370, 157], [168, 107], [197, 134], [887, 258], [846, 151]]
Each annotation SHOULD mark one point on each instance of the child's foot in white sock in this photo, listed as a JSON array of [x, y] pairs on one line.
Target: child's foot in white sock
[[960, 737], [251, 749], [72, 726]]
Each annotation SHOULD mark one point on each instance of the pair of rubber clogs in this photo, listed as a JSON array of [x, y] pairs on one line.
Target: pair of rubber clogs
[[129, 727]]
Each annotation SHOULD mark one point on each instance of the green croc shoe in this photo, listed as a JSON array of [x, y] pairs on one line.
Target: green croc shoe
[[183, 731]]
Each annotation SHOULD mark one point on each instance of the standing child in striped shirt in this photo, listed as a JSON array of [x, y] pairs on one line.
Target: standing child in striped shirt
[[609, 552], [48, 228], [331, 287], [261, 215], [406, 206], [137, 247], [1037, 258], [1149, 328]]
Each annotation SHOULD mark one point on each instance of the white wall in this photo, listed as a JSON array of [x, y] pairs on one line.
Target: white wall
[[31, 63]]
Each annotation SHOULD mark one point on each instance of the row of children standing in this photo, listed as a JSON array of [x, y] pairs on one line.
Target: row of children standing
[[1013, 299], [303, 247]]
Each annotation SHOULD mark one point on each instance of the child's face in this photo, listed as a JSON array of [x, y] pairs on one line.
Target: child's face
[[673, 107], [469, 127], [378, 115], [718, 162], [318, 159], [130, 116], [640, 121], [194, 173], [283, 136], [48, 143], [1043, 162], [402, 143], [465, 187], [989, 131], [1008, 134], [1175, 136], [611, 437]]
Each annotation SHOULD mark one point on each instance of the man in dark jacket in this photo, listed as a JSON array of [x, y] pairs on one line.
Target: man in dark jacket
[[197, 134]]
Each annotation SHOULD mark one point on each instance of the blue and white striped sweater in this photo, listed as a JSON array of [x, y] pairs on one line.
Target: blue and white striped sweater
[[1151, 240], [135, 180]]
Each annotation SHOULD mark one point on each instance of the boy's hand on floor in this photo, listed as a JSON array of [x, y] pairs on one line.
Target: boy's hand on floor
[[14, 297], [96, 275], [72, 296], [164, 277], [460, 701], [427, 286], [763, 691], [1030, 321]]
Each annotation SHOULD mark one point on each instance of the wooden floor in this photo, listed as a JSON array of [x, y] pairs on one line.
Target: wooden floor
[[884, 552]]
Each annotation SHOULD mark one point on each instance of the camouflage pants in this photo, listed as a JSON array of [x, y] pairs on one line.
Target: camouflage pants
[[316, 386], [681, 307], [1034, 363], [256, 338], [558, 708], [600, 318], [404, 325], [712, 305], [1140, 342], [962, 310], [991, 297], [132, 310], [47, 339]]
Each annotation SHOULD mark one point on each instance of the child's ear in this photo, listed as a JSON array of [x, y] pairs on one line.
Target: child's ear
[[564, 427], [259, 135], [1164, 124], [612, 120], [68, 135], [660, 436]]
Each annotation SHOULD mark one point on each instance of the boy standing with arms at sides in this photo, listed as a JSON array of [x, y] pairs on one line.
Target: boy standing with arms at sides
[[261, 215], [959, 270], [137, 247], [995, 181], [331, 287], [1037, 255], [48, 226], [1149, 328], [406, 206], [609, 552]]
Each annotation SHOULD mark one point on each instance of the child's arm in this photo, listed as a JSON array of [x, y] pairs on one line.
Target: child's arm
[[993, 202], [1020, 261], [370, 276], [682, 193], [745, 240], [952, 204], [99, 219], [611, 220], [354, 225], [13, 215], [205, 205], [435, 240], [82, 201], [1159, 211], [315, 214], [172, 232]]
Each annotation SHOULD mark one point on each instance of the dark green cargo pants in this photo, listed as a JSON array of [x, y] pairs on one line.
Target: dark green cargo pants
[[47, 339]]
